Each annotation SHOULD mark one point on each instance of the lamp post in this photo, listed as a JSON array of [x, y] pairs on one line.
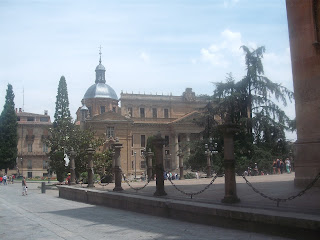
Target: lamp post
[[135, 165], [211, 149]]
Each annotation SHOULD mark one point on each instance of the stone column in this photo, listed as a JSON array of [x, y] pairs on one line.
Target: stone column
[[304, 36], [180, 155], [188, 144], [158, 143], [229, 165], [117, 164], [90, 152], [175, 159], [149, 159], [72, 167]]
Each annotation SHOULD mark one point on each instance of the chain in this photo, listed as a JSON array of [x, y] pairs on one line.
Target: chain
[[136, 189], [194, 193], [105, 184], [278, 200]]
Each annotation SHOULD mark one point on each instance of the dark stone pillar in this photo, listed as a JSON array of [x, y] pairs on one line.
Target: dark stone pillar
[[180, 155], [149, 159], [304, 31], [117, 164], [90, 152], [158, 143], [229, 165], [72, 168], [208, 164]]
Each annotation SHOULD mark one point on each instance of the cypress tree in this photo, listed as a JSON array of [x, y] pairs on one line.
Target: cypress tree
[[8, 132]]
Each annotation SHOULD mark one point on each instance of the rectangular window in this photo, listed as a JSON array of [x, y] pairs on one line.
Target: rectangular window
[[90, 111], [29, 164], [30, 147], [113, 109], [166, 152], [130, 111], [143, 141], [132, 141], [166, 141], [142, 114], [132, 164], [166, 113], [44, 119], [30, 119], [142, 152], [18, 119], [110, 132], [45, 164], [29, 174], [154, 113], [102, 109], [44, 148], [143, 164], [132, 153]]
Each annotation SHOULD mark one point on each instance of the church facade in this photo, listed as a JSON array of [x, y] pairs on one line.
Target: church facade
[[141, 116]]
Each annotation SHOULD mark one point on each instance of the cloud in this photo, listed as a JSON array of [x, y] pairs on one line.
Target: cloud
[[230, 3], [145, 57]]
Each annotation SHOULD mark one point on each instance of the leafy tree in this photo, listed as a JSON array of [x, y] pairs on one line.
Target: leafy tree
[[8, 132]]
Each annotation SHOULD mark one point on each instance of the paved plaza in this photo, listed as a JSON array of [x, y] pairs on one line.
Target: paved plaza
[[46, 216]]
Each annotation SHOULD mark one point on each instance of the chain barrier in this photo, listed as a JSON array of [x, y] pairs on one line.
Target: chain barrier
[[105, 184], [278, 200], [136, 189], [194, 193]]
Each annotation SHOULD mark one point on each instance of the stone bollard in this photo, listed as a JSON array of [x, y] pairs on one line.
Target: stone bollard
[[43, 187], [117, 164], [90, 152]]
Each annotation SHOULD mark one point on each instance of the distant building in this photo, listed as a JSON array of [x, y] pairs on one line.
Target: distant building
[[33, 129], [139, 117]]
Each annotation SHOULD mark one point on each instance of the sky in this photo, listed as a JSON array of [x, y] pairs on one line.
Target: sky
[[154, 46]]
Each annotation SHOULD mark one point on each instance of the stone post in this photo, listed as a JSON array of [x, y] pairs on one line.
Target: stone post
[[158, 143], [180, 155], [229, 165], [175, 161], [208, 164], [149, 159], [90, 152], [117, 164], [72, 167]]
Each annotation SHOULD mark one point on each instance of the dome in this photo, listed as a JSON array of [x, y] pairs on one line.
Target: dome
[[100, 90], [100, 67]]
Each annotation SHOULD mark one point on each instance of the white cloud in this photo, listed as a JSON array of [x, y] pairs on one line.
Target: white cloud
[[145, 57]]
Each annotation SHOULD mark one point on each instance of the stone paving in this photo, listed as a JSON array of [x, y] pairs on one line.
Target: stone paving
[[45, 216]]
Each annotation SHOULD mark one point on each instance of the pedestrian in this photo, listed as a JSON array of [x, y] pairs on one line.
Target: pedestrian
[[24, 187], [197, 175], [274, 166], [1, 179], [287, 161], [281, 166], [12, 178], [68, 180], [278, 165], [5, 179]]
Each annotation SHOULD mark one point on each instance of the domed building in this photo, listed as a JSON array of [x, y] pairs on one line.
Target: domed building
[[100, 97], [139, 117]]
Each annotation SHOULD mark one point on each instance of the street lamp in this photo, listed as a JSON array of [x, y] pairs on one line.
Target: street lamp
[[211, 149], [135, 165]]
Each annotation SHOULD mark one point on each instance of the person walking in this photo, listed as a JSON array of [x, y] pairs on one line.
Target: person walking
[[24, 187], [288, 165], [5, 179], [274, 166], [278, 165]]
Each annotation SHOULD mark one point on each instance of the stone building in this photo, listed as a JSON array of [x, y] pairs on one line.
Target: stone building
[[139, 117], [33, 129]]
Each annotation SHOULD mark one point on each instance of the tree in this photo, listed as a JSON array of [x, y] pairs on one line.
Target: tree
[[8, 132]]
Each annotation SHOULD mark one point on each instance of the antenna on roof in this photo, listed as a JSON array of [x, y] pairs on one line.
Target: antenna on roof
[[100, 54]]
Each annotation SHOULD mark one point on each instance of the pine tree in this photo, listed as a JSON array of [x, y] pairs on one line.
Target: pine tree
[[8, 132]]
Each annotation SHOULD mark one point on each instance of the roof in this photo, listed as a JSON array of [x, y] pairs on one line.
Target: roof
[[100, 90]]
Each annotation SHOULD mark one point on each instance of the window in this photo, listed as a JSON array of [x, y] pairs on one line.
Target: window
[[132, 165], [29, 174], [142, 114], [30, 147], [18, 119], [154, 113], [142, 152], [110, 132], [166, 141], [132, 141], [143, 141], [30, 119], [132, 154], [45, 164], [166, 113], [130, 111], [102, 109], [143, 164], [90, 111], [44, 148], [113, 109], [29, 165], [166, 152], [44, 119]]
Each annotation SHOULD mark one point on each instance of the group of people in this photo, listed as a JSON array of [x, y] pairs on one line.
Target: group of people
[[280, 167], [170, 176], [5, 179]]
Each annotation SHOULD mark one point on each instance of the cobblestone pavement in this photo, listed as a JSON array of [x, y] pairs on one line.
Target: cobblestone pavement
[[45, 216]]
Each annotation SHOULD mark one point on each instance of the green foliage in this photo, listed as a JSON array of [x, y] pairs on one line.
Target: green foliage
[[8, 132], [102, 163], [189, 175]]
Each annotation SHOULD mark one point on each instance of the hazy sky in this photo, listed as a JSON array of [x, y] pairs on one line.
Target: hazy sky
[[147, 46]]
